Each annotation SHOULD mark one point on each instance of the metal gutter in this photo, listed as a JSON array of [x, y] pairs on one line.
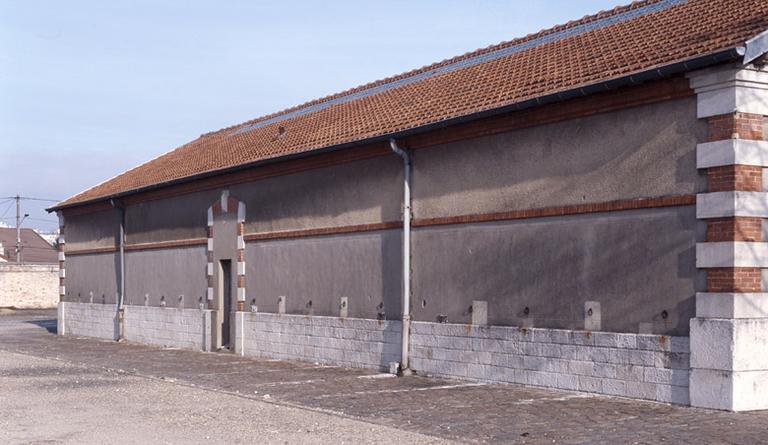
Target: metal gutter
[[727, 55]]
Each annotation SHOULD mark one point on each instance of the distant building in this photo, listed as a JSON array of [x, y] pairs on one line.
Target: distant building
[[34, 248], [51, 238]]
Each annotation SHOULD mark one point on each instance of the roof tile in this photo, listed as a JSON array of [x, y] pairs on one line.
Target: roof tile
[[626, 40]]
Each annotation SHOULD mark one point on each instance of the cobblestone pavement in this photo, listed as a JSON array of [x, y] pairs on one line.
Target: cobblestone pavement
[[446, 409]]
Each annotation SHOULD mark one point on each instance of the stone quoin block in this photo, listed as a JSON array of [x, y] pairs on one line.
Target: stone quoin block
[[732, 152], [731, 254], [731, 305], [721, 92], [732, 203]]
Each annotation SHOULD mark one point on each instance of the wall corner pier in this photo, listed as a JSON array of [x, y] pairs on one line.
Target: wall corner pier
[[729, 335], [62, 275]]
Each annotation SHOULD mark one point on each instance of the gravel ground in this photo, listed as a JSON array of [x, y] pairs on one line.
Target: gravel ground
[[46, 401]]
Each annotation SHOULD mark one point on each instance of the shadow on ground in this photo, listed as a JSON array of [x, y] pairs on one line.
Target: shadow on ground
[[49, 325]]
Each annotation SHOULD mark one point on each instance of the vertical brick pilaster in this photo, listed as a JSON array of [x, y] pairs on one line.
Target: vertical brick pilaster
[[62, 260], [240, 206], [732, 178], [209, 253], [731, 321]]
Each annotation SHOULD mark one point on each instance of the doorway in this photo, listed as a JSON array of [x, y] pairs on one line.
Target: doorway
[[225, 306]]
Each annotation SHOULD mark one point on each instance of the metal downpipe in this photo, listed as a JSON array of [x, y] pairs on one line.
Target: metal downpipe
[[406, 329], [121, 283]]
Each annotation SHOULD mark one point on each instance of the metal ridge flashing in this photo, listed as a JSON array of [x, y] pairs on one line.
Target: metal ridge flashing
[[471, 61], [722, 56], [756, 47]]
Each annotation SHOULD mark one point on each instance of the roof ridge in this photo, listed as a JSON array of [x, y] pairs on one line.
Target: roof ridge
[[445, 62]]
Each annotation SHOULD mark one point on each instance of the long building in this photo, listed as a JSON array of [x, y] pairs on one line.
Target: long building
[[582, 208]]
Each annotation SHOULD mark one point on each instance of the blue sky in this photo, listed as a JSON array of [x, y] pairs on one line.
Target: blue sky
[[89, 89]]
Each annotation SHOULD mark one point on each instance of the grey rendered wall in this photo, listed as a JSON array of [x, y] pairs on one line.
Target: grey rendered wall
[[169, 273], [639, 263], [636, 263], [363, 267], [180, 217], [92, 230], [92, 275], [638, 152], [361, 192]]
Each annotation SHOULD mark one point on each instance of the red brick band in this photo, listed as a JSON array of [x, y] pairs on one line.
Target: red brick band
[[143, 246], [736, 126], [91, 251], [610, 206], [167, 244], [728, 178], [323, 231], [734, 279], [738, 228]]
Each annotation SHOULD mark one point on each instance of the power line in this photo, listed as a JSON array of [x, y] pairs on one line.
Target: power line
[[10, 204], [27, 198], [31, 219]]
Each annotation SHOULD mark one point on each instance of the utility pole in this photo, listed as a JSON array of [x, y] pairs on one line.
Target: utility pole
[[18, 229], [20, 219]]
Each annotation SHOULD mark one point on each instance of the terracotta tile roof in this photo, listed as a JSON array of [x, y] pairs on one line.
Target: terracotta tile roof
[[630, 39], [34, 249]]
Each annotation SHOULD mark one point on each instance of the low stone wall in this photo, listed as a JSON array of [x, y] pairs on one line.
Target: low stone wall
[[650, 367], [27, 286], [641, 366], [168, 327], [357, 343], [88, 320]]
